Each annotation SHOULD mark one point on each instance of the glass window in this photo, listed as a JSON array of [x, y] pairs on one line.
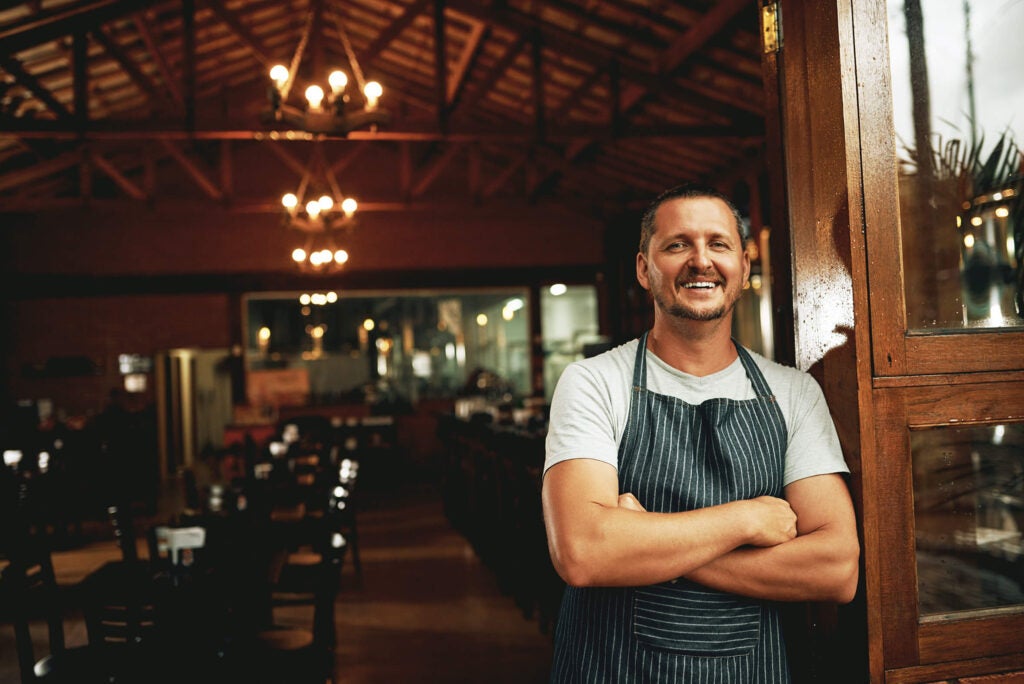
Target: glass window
[[969, 514], [958, 102], [569, 326], [385, 347]]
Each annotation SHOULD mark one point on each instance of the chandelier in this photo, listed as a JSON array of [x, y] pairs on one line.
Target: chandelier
[[334, 110], [322, 213]]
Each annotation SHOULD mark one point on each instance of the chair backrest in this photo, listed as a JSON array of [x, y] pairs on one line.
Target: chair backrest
[[30, 589], [121, 519]]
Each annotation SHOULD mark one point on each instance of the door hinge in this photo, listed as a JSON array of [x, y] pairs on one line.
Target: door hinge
[[771, 27]]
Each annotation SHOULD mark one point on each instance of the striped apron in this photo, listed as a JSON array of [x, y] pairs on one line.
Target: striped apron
[[678, 457]]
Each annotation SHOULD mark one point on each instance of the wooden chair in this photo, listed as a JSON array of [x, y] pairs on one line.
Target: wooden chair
[[28, 586], [296, 646]]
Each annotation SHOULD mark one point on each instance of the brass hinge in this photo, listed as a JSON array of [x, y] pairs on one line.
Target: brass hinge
[[771, 27]]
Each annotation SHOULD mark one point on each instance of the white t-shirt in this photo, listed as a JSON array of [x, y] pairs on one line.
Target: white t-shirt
[[590, 407]]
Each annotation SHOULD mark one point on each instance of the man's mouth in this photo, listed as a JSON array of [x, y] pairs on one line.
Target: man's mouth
[[700, 285]]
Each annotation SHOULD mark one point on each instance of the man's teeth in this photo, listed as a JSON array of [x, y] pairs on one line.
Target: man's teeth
[[699, 286]]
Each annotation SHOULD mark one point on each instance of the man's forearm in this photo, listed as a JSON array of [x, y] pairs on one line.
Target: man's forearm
[[818, 566]]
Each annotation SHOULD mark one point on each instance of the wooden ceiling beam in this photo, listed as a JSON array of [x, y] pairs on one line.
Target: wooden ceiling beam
[[355, 151], [396, 27], [435, 169], [46, 25], [13, 67], [242, 32], [141, 80], [292, 162], [156, 54], [103, 164], [711, 24], [493, 74], [467, 60], [506, 174], [440, 67], [39, 170], [197, 174]]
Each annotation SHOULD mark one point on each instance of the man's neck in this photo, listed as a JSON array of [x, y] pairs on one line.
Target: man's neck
[[697, 348]]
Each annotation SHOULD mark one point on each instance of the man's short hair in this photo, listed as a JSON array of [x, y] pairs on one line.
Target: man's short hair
[[685, 191]]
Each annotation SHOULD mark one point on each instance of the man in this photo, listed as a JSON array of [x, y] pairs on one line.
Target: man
[[690, 483]]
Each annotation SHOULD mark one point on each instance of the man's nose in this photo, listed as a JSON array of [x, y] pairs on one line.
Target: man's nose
[[700, 258]]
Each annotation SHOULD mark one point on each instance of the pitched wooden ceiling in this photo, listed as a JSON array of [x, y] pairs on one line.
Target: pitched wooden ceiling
[[594, 103]]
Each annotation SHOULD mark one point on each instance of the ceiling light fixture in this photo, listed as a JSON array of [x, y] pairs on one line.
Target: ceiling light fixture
[[321, 211], [335, 110]]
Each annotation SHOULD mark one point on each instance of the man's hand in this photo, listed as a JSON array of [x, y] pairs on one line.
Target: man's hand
[[772, 520]]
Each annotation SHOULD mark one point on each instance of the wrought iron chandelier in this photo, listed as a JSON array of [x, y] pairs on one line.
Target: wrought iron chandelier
[[335, 110], [319, 210]]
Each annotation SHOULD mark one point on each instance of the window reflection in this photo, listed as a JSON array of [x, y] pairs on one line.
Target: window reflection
[[957, 100], [570, 328], [383, 348], [969, 513]]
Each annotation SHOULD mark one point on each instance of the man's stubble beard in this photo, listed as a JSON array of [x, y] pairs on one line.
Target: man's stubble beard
[[690, 314]]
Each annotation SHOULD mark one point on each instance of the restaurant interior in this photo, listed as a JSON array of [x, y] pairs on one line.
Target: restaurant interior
[[289, 286]]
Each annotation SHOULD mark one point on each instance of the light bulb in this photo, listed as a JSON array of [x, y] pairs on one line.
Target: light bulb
[[372, 91], [315, 258], [325, 257], [337, 80], [325, 202], [290, 201], [349, 206], [279, 75], [313, 209], [314, 96], [298, 255], [341, 256]]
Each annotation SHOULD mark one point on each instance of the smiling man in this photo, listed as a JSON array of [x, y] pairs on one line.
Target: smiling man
[[691, 484]]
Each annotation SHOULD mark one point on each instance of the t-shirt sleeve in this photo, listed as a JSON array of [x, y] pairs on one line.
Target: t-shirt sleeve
[[581, 423], [813, 442]]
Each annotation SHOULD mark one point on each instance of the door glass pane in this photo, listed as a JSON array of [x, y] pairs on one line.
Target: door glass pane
[[958, 101], [969, 513]]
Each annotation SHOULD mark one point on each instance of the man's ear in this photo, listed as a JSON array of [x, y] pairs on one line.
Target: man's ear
[[641, 271]]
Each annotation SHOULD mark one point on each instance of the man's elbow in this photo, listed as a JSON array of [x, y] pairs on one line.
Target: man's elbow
[[846, 575], [574, 564]]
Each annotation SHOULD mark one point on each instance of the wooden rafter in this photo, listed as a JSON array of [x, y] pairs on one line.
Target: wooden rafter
[[46, 25], [710, 25], [467, 58], [29, 82], [141, 80], [435, 168], [39, 170], [104, 165], [194, 171], [158, 58], [246, 36], [440, 66], [396, 27]]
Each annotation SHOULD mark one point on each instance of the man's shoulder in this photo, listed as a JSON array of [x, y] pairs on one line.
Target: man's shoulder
[[609, 363], [776, 373]]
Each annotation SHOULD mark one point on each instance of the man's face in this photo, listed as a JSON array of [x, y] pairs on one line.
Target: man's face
[[695, 266]]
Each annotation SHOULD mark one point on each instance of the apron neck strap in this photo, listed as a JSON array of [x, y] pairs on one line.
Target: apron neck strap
[[757, 380]]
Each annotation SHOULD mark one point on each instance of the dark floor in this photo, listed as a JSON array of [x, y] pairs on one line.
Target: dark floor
[[427, 610]]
